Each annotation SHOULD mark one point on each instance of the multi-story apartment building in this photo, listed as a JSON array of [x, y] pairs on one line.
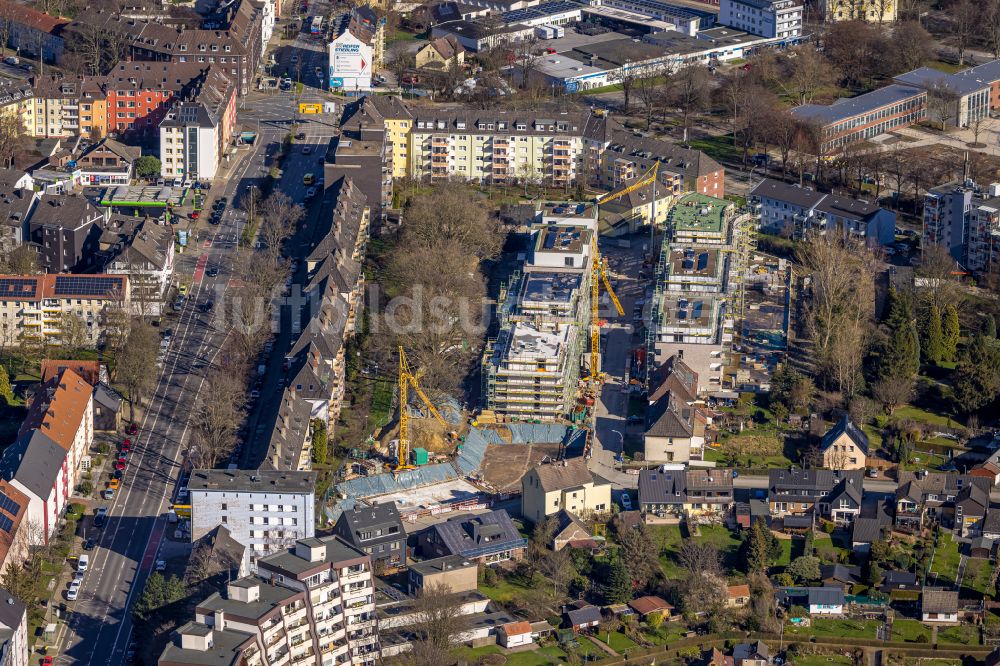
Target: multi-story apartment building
[[850, 121], [785, 207], [812, 493], [530, 369], [55, 109], [872, 11], [363, 153], [34, 307], [311, 604], [144, 251], [357, 50], [965, 219], [196, 131], [65, 231], [496, 147], [31, 32], [774, 19], [623, 156], [17, 200], [13, 631], [377, 530], [263, 510], [63, 409], [140, 93]]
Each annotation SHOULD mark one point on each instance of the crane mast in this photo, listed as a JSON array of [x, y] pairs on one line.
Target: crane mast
[[408, 379]]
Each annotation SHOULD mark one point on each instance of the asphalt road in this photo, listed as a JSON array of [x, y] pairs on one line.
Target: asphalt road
[[99, 629]]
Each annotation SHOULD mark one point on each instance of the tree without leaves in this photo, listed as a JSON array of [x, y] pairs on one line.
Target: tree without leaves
[[649, 85], [453, 213], [990, 23], [938, 267], [763, 606], [942, 102], [73, 332], [696, 556], [806, 73], [965, 23], [12, 138], [136, 364], [855, 48], [217, 418], [688, 90], [439, 616], [558, 569], [22, 260], [913, 46]]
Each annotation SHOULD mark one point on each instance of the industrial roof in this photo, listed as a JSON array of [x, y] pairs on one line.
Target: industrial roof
[[853, 106], [699, 212], [927, 77]]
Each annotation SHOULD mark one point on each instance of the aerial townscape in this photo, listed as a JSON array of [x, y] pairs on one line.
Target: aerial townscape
[[485, 332]]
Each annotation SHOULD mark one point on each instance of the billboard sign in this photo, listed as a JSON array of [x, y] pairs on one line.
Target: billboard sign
[[350, 63], [310, 108]]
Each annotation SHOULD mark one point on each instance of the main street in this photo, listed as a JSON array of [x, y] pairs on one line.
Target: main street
[[99, 629]]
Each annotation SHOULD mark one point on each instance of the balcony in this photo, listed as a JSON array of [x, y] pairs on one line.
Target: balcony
[[441, 141]]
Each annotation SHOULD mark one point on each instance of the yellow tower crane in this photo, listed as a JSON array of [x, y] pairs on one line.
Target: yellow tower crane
[[600, 272], [408, 379]]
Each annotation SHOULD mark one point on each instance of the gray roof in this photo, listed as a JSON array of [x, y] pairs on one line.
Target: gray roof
[[227, 649], [925, 77], [849, 107], [991, 524], [898, 578], [441, 564], [840, 573], [656, 487], [271, 598], [253, 481], [107, 396], [756, 650], [670, 416], [976, 495], [828, 596], [34, 460], [564, 474], [362, 518], [479, 535], [938, 600], [585, 615], [846, 427], [809, 199], [64, 211], [807, 484], [11, 610], [337, 550]]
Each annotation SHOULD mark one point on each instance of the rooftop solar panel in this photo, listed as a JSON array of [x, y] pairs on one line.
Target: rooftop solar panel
[[9, 505], [18, 287], [81, 285], [6, 524]]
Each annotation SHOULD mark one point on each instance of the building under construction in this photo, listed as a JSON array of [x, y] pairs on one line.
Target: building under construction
[[698, 288], [531, 369]]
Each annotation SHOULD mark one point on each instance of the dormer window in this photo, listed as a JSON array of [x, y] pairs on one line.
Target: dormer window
[[227, 49], [202, 47], [460, 124], [215, 47], [184, 47]]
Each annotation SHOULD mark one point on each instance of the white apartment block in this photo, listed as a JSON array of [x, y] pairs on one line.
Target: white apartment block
[[264, 510], [312, 604], [773, 19]]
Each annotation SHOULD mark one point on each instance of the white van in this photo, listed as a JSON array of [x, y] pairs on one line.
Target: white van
[[82, 562]]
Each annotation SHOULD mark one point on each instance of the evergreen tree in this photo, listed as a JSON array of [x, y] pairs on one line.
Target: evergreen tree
[[759, 552], [990, 326], [977, 375], [899, 358], [319, 442], [6, 393], [933, 346], [951, 332], [618, 588]]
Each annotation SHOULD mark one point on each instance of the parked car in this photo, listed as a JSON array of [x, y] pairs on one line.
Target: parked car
[[109, 494], [306, 150], [11, 60], [82, 563], [120, 465], [161, 565], [212, 272], [89, 544], [626, 502], [310, 193], [74, 591], [207, 306]]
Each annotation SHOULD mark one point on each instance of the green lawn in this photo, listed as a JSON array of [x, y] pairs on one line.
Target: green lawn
[[381, 403], [669, 537], [946, 559], [667, 633], [620, 642], [503, 592], [917, 414], [836, 627], [826, 549], [546, 656], [822, 660], [977, 576], [717, 147], [947, 67], [909, 630], [786, 553], [963, 634]]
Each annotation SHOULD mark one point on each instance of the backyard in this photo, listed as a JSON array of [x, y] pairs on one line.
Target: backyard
[[946, 559], [549, 655], [669, 537], [910, 631], [844, 628], [977, 577]]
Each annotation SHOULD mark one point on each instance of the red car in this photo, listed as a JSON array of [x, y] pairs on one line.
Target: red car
[[133, 429], [195, 215], [47, 661], [120, 466]]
